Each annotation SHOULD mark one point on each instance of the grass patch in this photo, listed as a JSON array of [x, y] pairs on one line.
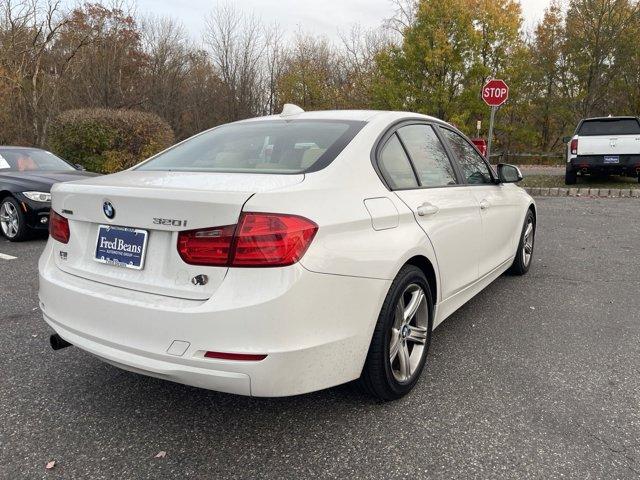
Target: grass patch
[[556, 181]]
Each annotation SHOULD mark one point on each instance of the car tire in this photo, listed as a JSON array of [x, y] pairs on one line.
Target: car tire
[[13, 223], [388, 376], [570, 177], [524, 254]]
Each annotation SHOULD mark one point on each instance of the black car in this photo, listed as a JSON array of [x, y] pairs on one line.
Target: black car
[[26, 178]]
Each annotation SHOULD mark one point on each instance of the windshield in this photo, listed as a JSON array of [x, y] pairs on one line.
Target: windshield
[[273, 146], [30, 160], [614, 126]]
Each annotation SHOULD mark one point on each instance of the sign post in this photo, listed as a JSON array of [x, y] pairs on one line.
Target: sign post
[[494, 93], [491, 120]]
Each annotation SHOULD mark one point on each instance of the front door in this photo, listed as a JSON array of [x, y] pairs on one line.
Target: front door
[[499, 211]]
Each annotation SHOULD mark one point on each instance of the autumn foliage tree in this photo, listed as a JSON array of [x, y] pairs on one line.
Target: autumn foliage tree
[[581, 59], [446, 54]]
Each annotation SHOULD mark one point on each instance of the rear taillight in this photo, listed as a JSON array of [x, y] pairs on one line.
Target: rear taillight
[[269, 240], [59, 227], [259, 240], [210, 246], [574, 146]]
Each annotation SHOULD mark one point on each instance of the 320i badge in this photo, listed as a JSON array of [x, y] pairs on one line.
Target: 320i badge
[[169, 222]]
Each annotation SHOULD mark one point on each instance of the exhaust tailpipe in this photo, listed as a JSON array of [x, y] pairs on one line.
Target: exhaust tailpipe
[[58, 343]]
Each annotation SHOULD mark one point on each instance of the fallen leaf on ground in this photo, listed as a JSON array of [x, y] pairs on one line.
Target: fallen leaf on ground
[[161, 454], [50, 465]]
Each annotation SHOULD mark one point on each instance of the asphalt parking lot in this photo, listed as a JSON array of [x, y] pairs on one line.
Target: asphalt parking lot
[[537, 377]]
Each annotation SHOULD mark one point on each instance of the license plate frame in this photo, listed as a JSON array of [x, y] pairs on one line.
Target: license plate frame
[[109, 256]]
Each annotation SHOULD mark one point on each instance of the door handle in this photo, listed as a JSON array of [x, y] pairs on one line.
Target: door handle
[[484, 204], [427, 209]]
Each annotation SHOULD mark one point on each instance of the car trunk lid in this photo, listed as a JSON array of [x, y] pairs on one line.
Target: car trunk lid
[[162, 204]]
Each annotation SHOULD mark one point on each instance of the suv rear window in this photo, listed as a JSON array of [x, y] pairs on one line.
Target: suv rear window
[[614, 126], [272, 146]]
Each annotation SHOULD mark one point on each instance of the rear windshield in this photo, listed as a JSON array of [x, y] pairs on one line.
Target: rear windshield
[[273, 146], [619, 126], [31, 160]]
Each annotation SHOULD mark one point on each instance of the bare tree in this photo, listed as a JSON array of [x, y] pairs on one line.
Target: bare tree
[[168, 49], [357, 60], [405, 14], [29, 30], [236, 44], [274, 58], [108, 72]]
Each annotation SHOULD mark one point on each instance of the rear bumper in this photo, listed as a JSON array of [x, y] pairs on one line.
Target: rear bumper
[[314, 328], [628, 165], [220, 380]]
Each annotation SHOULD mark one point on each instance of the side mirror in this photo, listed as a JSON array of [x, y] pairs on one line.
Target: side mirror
[[79, 167], [509, 173], [566, 139]]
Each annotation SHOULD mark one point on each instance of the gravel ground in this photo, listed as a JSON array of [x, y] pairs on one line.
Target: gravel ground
[[537, 377]]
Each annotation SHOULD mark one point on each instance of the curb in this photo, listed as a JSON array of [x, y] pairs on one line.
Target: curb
[[584, 192]]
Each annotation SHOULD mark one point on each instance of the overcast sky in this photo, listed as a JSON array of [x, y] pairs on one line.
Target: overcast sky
[[325, 17]]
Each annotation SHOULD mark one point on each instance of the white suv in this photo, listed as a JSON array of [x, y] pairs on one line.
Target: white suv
[[604, 146]]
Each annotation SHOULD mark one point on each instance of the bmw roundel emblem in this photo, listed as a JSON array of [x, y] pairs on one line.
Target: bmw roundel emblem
[[108, 210]]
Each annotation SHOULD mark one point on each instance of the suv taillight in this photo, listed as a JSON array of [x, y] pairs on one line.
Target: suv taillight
[[574, 146], [59, 227], [259, 240]]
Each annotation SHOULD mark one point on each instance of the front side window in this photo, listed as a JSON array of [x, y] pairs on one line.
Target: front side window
[[474, 169], [428, 155], [395, 165], [272, 146]]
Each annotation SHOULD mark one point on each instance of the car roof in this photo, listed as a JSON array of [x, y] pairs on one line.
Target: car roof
[[349, 115], [15, 147], [622, 117]]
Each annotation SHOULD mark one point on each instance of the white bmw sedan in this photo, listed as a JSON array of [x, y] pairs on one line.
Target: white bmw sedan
[[286, 254]]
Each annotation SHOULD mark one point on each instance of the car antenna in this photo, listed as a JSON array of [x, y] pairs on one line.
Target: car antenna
[[290, 109]]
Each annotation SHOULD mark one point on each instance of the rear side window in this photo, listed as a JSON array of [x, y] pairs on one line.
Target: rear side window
[[273, 146], [614, 126], [395, 166], [428, 155]]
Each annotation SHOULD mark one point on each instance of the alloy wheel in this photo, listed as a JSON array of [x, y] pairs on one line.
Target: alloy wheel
[[9, 219], [527, 244], [408, 333]]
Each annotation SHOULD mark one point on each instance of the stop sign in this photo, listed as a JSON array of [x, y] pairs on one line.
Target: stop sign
[[495, 92]]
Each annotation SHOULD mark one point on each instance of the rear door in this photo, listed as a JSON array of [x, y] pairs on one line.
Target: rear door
[[418, 169], [500, 212]]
